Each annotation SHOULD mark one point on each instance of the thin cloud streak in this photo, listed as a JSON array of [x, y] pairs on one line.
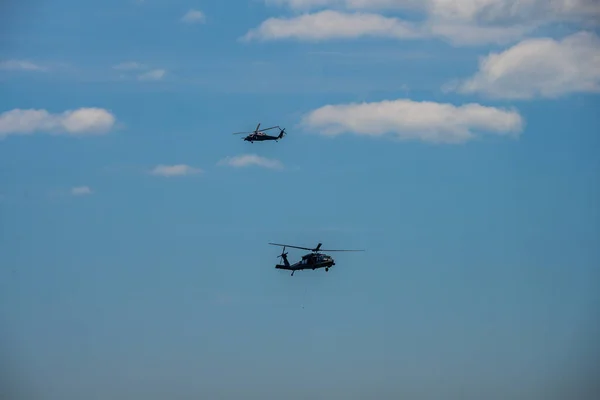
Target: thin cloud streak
[[248, 160], [175, 170]]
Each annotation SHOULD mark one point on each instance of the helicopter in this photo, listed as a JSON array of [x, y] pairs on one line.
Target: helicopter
[[261, 136], [313, 260]]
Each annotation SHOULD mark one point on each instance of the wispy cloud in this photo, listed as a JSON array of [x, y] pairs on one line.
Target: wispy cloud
[[193, 16], [129, 66], [21, 65], [80, 122], [154, 75], [81, 191], [137, 67], [248, 160], [175, 170], [540, 67], [411, 120]]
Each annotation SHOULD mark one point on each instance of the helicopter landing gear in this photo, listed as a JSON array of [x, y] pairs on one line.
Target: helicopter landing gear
[[326, 269], [292, 273]]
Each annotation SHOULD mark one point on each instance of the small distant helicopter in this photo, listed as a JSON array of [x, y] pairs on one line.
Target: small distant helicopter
[[312, 260], [261, 136]]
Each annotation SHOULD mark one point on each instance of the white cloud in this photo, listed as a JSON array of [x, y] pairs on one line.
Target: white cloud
[[83, 121], [175, 170], [248, 160], [305, 4], [329, 24], [510, 11], [154, 75], [81, 191], [332, 24], [489, 11], [151, 75], [538, 67], [462, 22], [412, 120], [130, 65], [20, 65], [464, 34], [193, 16]]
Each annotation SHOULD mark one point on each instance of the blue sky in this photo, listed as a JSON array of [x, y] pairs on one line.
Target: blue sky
[[456, 142]]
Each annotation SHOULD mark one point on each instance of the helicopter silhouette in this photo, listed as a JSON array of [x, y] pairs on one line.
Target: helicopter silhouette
[[261, 136], [313, 260]]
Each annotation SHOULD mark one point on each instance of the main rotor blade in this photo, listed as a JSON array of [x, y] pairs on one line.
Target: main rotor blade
[[294, 247], [239, 133], [324, 250], [257, 126], [273, 127]]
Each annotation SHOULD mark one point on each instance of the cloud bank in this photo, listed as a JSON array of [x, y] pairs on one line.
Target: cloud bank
[[331, 24], [482, 11], [461, 22], [411, 120], [539, 67], [80, 122]]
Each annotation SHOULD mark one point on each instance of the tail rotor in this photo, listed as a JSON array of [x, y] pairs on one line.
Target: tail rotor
[[283, 257], [283, 254], [281, 133]]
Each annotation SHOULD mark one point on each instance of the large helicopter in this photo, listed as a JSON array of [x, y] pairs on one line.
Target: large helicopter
[[313, 260], [261, 136]]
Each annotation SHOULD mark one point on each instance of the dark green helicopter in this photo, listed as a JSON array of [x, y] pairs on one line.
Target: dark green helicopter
[[314, 260], [261, 136]]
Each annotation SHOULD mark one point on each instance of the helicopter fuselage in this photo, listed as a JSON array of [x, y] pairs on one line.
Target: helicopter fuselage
[[261, 137], [309, 261]]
